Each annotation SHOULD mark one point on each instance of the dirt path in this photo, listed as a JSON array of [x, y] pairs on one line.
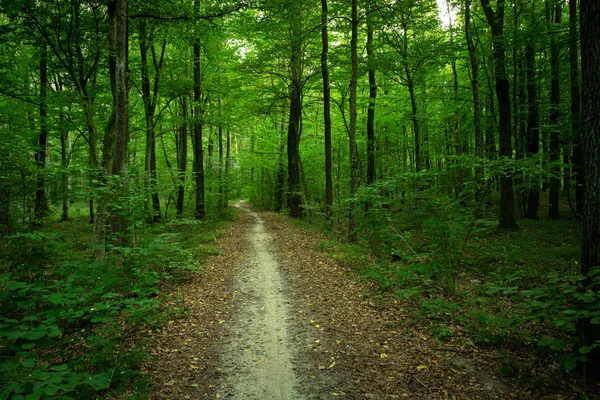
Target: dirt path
[[272, 317], [257, 352]]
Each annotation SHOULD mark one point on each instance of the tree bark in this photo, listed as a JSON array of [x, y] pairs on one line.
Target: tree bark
[[554, 143], [65, 177], [372, 98], [474, 86], [198, 150], [326, 113], [590, 71], [150, 99], [507, 220], [293, 137], [41, 200], [353, 116], [182, 156], [533, 128], [575, 106]]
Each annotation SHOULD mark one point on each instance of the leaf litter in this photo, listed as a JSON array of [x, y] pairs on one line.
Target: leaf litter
[[337, 342]]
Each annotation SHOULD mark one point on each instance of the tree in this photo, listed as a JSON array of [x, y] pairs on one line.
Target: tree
[[150, 94], [554, 17], [575, 106], [295, 93], [495, 19], [326, 111], [354, 172], [198, 138], [41, 201], [590, 72], [372, 97]]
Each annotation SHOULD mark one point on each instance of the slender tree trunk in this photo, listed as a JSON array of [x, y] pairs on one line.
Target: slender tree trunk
[[495, 19], [575, 106], [182, 156], [474, 87], [293, 137], [41, 201], [353, 116], [590, 71], [221, 204], [326, 113], [65, 177], [227, 164], [533, 128], [198, 151], [122, 107], [553, 212], [372, 98]]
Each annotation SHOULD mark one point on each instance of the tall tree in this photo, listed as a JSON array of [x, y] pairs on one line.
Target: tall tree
[[326, 111], [198, 148], [295, 94], [495, 19], [554, 18], [41, 201], [372, 97], [590, 72], [533, 125], [575, 106], [150, 94], [354, 173], [182, 155], [477, 107]]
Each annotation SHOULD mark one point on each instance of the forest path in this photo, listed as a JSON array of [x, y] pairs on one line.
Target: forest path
[[274, 316], [256, 358]]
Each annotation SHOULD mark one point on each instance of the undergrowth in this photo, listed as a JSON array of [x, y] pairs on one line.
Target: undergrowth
[[515, 292], [67, 321]]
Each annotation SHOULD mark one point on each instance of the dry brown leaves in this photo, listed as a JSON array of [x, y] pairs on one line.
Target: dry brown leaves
[[358, 350]]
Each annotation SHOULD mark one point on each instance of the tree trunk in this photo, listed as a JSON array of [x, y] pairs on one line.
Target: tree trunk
[[182, 156], [65, 177], [507, 220], [553, 212], [590, 71], [474, 87], [293, 138], [353, 116], [326, 114], [575, 106], [533, 129], [198, 151], [372, 98], [221, 203], [150, 99], [41, 201]]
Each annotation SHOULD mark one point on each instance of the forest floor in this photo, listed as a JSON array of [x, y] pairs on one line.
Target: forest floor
[[273, 317]]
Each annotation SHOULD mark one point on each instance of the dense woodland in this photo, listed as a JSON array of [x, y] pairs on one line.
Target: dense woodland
[[454, 144]]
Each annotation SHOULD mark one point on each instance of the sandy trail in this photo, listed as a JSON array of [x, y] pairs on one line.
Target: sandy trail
[[257, 351]]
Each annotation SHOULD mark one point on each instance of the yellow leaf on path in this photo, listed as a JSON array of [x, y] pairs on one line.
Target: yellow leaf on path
[[317, 326], [332, 365], [420, 367], [334, 394], [383, 355], [218, 396]]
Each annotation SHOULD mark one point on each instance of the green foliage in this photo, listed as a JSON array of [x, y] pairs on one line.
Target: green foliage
[[65, 319]]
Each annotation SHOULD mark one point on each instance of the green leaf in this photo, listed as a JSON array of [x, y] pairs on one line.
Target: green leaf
[[569, 363], [595, 320], [29, 345], [585, 349], [558, 344], [28, 363], [98, 381]]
